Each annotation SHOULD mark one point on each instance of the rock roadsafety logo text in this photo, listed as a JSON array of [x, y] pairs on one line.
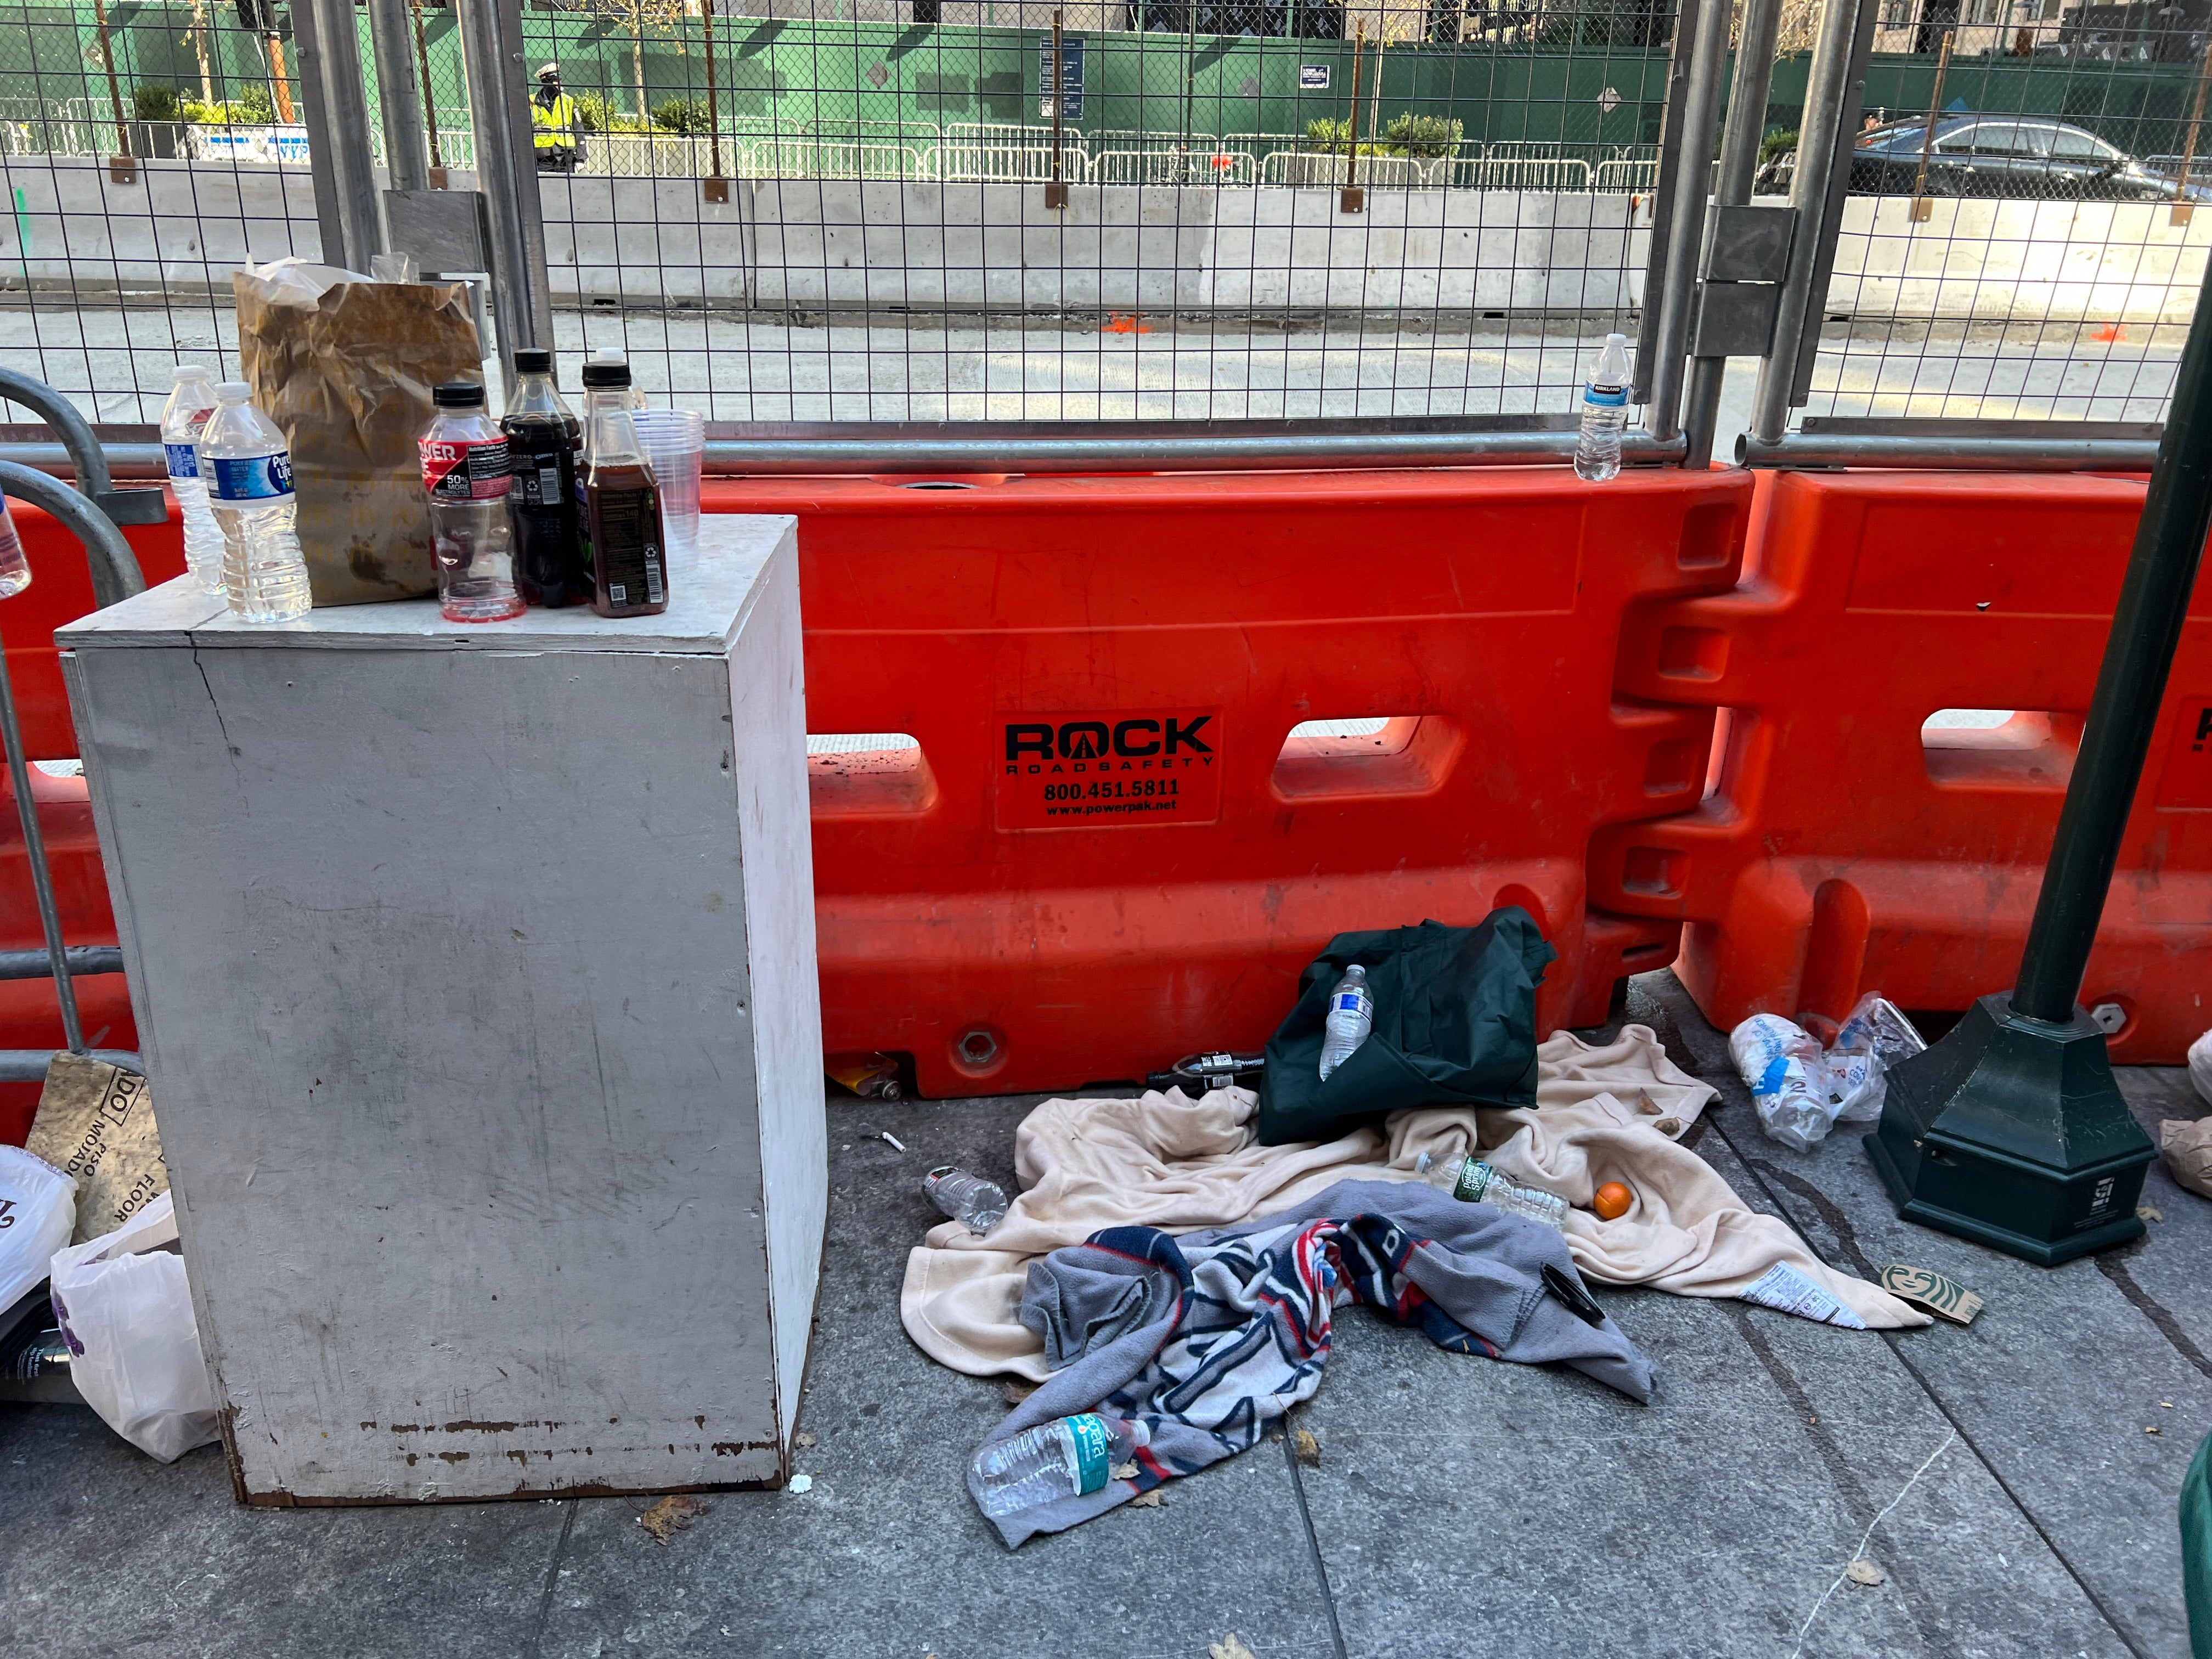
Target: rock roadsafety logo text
[[1172, 738]]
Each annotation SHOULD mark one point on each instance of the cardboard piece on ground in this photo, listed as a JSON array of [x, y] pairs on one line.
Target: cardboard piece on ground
[[95, 1122], [1947, 1298]]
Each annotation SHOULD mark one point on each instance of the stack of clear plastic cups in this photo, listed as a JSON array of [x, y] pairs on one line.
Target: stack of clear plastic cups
[[675, 443]]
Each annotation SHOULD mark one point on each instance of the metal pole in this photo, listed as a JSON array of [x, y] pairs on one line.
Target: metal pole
[[506, 173], [1349, 200], [346, 197], [1055, 192], [398, 94], [1819, 142], [1733, 179], [713, 94], [1678, 295], [2146, 629], [34, 848]]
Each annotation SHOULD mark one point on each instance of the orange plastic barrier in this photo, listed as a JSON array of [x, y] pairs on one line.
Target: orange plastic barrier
[[1846, 848], [1106, 851], [60, 591]]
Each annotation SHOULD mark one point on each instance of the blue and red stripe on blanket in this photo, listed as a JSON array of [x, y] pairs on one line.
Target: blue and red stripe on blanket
[[1209, 1338]]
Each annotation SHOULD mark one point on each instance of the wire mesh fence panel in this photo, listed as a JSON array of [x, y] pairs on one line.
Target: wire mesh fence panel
[[2025, 232], [145, 154]]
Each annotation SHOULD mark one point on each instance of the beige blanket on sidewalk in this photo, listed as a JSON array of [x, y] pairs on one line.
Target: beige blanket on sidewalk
[[1608, 1113]]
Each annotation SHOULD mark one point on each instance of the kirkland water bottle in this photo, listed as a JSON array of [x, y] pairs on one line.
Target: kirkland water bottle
[[15, 568], [1351, 1018], [247, 470], [1604, 412], [182, 418], [1065, 1458], [966, 1198], [1476, 1183], [465, 469]]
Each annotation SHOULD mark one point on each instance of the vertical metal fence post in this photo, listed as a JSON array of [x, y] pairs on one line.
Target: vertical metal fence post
[[1733, 179], [429, 94], [338, 150], [1923, 207], [1678, 296], [1055, 191], [1351, 199], [399, 94], [506, 173]]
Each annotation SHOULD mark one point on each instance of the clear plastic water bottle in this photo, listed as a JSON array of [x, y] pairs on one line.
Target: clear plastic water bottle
[[247, 470], [1063, 1458], [183, 417], [1604, 412], [465, 469], [1473, 1182], [980, 1204], [15, 568], [1351, 1018]]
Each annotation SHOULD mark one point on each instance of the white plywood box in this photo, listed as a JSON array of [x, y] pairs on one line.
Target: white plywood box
[[474, 969]]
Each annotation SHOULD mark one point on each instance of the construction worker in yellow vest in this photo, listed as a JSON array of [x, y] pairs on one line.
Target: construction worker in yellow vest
[[556, 129]]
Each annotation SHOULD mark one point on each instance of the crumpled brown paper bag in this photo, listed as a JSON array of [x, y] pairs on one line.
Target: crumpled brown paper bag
[[344, 366], [2187, 1145]]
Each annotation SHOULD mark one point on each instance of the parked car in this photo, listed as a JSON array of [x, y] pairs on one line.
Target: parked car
[[2009, 155]]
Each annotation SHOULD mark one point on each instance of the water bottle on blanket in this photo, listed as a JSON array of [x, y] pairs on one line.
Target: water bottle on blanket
[[1476, 1183], [968, 1198], [1063, 1458]]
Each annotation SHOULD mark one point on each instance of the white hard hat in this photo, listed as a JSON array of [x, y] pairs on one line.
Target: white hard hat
[[549, 72]]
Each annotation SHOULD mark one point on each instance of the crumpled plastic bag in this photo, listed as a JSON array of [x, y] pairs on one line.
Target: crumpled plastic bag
[[125, 1311], [38, 1211], [2200, 1067], [1800, 1090], [345, 366]]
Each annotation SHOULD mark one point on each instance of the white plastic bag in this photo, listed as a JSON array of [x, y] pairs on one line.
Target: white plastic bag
[[1873, 1037], [38, 1211], [126, 1313], [2200, 1067], [1781, 1064]]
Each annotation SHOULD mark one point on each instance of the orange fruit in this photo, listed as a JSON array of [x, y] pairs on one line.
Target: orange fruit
[[1612, 1201]]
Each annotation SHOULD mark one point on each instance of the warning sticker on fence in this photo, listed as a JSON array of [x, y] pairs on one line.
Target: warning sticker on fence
[[1108, 771]]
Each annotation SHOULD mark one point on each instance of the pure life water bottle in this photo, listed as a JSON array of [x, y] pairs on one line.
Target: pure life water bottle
[[247, 470], [1604, 412]]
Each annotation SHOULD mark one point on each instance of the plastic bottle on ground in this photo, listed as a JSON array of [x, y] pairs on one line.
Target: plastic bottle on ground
[[191, 403], [1473, 1182], [15, 568], [465, 469], [980, 1204], [247, 470], [1782, 1065], [1604, 412], [1350, 1018], [1063, 1458]]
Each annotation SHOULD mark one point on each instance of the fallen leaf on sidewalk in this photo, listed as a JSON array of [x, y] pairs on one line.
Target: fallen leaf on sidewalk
[[1862, 1571], [671, 1515], [2149, 1212], [1014, 1392], [802, 1440], [1148, 1500], [1124, 1472], [1306, 1449], [1229, 1647]]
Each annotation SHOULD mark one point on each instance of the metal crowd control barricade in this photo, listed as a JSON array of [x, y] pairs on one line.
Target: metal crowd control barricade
[[1849, 846], [1090, 838], [57, 847]]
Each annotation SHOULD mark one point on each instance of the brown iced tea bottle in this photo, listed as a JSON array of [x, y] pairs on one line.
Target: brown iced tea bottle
[[622, 501]]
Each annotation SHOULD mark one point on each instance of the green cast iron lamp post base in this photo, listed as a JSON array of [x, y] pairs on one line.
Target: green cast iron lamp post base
[[2012, 1131]]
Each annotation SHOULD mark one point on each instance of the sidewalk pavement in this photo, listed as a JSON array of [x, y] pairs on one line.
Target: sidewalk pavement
[[2004, 1479]]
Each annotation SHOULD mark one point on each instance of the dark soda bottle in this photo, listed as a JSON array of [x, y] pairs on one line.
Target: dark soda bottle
[[622, 501], [545, 438]]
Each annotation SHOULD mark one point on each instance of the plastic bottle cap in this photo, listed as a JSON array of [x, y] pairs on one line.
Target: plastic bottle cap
[[532, 359], [457, 394], [616, 373], [234, 392], [186, 371]]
